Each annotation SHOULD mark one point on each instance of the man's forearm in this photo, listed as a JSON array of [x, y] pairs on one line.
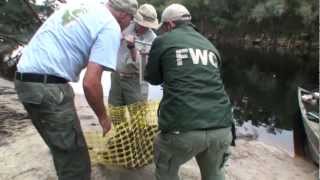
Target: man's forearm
[[133, 53], [93, 89], [94, 95]]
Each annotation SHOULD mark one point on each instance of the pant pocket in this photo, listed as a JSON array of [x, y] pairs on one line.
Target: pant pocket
[[55, 94], [31, 93], [225, 158], [61, 136], [162, 155], [162, 161], [226, 146]]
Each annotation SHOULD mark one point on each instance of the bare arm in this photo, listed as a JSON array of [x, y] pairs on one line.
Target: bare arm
[[94, 94], [130, 39], [133, 53]]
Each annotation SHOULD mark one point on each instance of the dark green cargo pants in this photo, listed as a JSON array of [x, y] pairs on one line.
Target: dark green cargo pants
[[210, 148], [51, 108], [126, 90]]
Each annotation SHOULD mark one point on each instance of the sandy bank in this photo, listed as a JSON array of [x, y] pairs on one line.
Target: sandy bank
[[24, 156]]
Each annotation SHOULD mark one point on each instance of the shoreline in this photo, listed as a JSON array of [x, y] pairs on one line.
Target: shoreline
[[20, 152]]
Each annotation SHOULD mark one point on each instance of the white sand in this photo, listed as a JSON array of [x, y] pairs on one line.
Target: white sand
[[26, 157]]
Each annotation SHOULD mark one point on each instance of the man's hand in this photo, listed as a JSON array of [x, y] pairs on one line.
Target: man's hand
[[130, 39], [106, 126]]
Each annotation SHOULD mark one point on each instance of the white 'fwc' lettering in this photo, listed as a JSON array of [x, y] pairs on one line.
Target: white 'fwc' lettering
[[196, 55], [181, 54]]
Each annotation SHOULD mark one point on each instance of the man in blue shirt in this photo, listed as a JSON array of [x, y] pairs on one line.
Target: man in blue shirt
[[76, 36]]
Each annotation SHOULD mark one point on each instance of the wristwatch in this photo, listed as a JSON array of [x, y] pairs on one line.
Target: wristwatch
[[130, 46]]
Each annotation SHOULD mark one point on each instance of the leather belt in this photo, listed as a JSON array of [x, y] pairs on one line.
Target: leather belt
[[40, 78]]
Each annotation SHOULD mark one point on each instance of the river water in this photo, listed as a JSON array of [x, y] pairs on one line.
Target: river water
[[263, 85]]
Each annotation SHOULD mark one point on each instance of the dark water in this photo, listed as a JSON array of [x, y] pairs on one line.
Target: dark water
[[263, 85]]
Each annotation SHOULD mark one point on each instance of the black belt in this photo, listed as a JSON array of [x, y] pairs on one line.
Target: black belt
[[41, 78]]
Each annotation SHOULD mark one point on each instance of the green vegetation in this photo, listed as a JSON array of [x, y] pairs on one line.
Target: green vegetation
[[254, 16], [267, 23], [253, 20], [19, 19]]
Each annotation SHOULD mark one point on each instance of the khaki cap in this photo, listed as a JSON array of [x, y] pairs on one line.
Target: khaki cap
[[128, 6], [175, 12], [146, 16]]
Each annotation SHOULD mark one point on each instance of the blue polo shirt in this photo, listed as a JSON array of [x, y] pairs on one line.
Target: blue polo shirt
[[70, 38]]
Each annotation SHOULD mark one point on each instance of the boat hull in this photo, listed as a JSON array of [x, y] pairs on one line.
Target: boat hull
[[311, 127]]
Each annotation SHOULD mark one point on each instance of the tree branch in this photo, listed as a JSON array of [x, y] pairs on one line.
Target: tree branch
[[8, 37], [34, 13], [62, 1]]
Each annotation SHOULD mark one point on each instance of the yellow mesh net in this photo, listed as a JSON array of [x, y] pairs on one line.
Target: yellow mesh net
[[130, 142]]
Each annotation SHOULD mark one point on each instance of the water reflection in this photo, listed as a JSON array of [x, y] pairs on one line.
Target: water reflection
[[279, 137], [263, 86]]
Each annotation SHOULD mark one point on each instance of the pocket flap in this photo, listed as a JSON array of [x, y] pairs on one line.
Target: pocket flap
[[29, 93]]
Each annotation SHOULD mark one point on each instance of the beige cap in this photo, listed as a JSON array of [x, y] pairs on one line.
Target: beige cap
[[128, 6], [147, 16], [175, 12]]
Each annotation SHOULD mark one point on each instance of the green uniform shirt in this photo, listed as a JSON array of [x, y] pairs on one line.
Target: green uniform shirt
[[187, 65]]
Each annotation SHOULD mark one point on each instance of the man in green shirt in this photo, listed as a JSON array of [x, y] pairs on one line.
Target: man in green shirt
[[195, 114]]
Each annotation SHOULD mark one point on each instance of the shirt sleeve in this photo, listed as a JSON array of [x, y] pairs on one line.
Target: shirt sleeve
[[105, 49], [153, 71]]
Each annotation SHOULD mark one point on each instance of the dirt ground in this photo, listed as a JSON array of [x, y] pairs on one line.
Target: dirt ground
[[24, 156]]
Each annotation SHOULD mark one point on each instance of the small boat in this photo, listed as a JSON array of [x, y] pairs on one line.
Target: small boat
[[309, 109]]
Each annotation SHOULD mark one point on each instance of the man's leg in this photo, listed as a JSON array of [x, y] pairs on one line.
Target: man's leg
[[116, 99], [54, 116], [135, 99], [211, 161], [132, 90], [74, 164], [173, 150]]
